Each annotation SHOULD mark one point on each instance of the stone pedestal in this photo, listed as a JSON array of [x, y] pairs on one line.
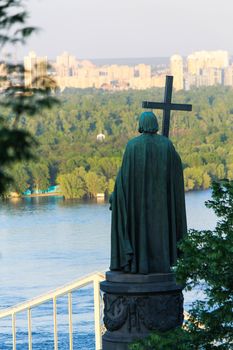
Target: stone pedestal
[[136, 305]]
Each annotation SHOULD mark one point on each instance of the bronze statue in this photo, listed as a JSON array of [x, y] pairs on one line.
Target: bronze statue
[[148, 204], [148, 220]]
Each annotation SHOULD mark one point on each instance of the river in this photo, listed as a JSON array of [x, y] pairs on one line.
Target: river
[[48, 242]]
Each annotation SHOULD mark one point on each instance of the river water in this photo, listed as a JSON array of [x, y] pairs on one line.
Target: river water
[[48, 242]]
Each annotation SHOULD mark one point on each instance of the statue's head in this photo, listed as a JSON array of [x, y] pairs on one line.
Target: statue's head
[[148, 123]]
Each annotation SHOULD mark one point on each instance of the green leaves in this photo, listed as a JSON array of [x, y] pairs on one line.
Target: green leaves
[[40, 176], [177, 339], [73, 185], [208, 257], [95, 183], [25, 32], [15, 145]]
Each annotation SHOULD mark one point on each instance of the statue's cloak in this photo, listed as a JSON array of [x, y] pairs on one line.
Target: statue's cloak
[[148, 207]]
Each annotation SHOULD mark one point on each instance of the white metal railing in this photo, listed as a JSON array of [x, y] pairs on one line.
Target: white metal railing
[[94, 279]]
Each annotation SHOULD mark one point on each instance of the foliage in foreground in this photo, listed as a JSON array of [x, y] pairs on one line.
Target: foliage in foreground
[[17, 100], [178, 339], [207, 263]]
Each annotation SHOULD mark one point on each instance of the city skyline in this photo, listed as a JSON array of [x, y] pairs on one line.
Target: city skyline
[[200, 68], [4, 56], [130, 28]]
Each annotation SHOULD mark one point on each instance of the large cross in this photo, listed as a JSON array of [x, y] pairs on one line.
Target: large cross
[[167, 106]]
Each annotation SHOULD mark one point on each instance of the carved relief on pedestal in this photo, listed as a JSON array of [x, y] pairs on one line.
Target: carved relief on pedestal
[[153, 312]]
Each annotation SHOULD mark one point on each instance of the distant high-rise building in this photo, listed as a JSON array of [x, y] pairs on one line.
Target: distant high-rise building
[[176, 69], [35, 69], [200, 60], [66, 65], [193, 65], [215, 76], [228, 76], [143, 71]]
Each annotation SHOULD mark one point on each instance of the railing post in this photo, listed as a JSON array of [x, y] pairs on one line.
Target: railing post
[[98, 335], [13, 331], [29, 330], [55, 323], [70, 320]]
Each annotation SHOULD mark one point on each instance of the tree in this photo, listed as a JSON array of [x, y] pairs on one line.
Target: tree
[[207, 263], [16, 144], [95, 183], [73, 185], [21, 178], [109, 166], [177, 339], [111, 184], [230, 171], [206, 181], [40, 176], [220, 171]]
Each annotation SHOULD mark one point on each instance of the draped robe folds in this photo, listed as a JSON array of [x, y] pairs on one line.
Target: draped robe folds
[[148, 207]]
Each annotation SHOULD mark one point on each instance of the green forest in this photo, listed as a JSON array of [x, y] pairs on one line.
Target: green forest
[[68, 152]]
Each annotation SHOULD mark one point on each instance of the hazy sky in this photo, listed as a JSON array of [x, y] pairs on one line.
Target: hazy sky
[[130, 28]]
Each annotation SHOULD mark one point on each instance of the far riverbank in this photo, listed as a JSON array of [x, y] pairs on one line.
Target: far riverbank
[[99, 199]]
